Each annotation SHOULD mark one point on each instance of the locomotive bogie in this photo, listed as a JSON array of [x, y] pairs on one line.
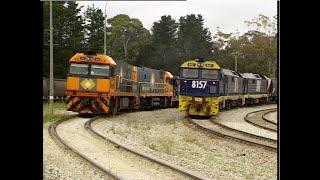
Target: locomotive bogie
[[199, 106], [59, 88]]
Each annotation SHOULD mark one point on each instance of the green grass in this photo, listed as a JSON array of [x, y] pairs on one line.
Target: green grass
[[192, 140], [56, 105], [146, 127], [48, 117], [162, 145], [118, 132], [170, 122]]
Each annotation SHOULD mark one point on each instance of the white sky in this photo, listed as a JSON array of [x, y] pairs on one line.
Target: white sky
[[229, 15]]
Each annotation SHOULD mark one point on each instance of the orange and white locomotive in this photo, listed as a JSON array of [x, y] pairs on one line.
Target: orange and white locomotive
[[97, 84]]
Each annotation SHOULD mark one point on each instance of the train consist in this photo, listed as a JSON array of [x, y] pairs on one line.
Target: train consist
[[59, 89], [205, 88], [97, 84]]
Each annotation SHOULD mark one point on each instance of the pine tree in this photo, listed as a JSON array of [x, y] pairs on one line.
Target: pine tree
[[193, 39], [164, 43], [94, 29], [67, 35]]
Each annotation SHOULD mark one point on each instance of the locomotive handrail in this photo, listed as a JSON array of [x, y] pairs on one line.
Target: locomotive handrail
[[150, 83], [124, 85], [126, 79]]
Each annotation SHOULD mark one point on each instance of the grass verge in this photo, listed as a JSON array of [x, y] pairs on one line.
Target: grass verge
[[57, 106]]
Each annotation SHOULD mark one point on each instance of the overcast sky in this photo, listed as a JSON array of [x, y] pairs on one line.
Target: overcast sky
[[229, 15]]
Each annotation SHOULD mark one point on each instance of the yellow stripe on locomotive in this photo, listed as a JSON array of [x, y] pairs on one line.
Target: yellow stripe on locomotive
[[199, 88]]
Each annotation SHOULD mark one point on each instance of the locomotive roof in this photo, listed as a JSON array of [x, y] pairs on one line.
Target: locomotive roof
[[169, 73], [229, 72], [92, 59], [250, 75], [265, 77], [208, 64]]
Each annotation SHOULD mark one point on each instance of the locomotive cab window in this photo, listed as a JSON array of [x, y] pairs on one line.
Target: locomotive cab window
[[100, 70], [210, 73], [190, 73], [79, 68]]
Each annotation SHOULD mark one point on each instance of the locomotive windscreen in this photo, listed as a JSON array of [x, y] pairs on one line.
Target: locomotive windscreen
[[79, 68], [86, 69], [210, 73], [99, 70], [190, 73]]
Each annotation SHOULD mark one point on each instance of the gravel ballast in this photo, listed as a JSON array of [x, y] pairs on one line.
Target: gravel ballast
[[60, 164], [162, 133], [272, 116], [117, 160], [235, 119]]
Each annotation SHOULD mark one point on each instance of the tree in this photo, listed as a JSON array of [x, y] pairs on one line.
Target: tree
[[258, 47], [266, 40], [67, 35], [94, 29], [193, 39], [163, 44], [126, 37], [73, 29]]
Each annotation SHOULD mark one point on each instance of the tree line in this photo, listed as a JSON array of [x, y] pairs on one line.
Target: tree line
[[165, 46]]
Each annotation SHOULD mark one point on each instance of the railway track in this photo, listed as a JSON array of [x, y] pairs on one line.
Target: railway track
[[218, 129], [117, 153], [192, 175], [269, 120], [55, 136], [257, 119]]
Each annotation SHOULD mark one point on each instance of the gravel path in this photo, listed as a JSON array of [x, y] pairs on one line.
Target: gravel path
[[119, 161], [59, 164], [235, 119], [162, 133], [272, 116]]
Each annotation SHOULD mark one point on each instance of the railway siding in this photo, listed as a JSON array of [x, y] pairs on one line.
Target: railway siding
[[257, 119], [162, 133], [59, 164], [235, 119], [271, 117], [216, 129], [118, 161]]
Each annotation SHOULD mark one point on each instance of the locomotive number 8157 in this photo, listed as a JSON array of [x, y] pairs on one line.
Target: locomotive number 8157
[[199, 87]]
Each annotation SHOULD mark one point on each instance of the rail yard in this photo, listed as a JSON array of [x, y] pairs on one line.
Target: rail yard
[[181, 97], [122, 120], [161, 144]]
